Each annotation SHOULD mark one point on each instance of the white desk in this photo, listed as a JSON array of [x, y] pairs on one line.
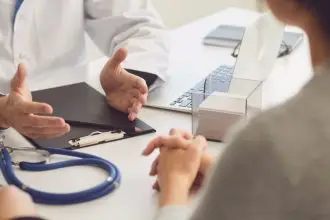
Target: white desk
[[135, 199]]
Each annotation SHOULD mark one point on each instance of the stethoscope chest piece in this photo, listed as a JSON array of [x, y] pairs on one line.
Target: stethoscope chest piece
[[28, 155]]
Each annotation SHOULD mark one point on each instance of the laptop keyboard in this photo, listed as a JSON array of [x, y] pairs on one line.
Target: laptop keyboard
[[219, 80]]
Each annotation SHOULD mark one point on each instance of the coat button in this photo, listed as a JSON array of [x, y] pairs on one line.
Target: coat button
[[22, 56]]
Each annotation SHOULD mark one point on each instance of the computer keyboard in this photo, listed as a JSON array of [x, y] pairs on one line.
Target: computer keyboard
[[219, 80]]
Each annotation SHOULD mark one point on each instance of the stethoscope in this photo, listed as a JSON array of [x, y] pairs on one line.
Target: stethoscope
[[109, 185]]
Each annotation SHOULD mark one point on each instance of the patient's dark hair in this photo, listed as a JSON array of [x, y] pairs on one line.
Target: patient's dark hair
[[320, 10]]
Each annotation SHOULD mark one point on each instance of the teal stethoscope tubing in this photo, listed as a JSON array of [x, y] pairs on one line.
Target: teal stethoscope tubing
[[108, 186]]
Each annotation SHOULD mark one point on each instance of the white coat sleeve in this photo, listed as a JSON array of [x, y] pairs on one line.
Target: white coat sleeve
[[132, 24]]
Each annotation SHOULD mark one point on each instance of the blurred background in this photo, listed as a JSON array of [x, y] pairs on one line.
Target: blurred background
[[176, 13], [179, 12]]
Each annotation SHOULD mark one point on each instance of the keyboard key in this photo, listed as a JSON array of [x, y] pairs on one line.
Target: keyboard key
[[180, 98], [185, 103], [218, 80]]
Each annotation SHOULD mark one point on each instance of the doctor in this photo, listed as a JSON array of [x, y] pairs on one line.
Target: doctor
[[44, 35]]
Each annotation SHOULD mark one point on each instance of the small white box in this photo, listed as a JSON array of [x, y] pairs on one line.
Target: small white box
[[218, 113]]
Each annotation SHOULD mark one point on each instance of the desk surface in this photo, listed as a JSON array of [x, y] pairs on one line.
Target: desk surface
[[135, 199]]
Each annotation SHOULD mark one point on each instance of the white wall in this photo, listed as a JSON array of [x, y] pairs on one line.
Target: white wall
[[180, 12]]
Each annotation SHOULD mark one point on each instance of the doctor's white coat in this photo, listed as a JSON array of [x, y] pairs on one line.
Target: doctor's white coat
[[49, 34]]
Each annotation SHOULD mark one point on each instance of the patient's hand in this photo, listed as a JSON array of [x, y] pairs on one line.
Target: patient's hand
[[207, 160], [206, 163]]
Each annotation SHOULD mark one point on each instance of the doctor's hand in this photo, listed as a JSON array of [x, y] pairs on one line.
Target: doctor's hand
[[124, 91], [27, 117], [15, 203]]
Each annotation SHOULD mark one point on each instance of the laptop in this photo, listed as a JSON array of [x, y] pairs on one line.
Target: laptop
[[257, 54]]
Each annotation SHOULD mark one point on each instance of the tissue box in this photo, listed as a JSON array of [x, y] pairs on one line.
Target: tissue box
[[217, 113], [214, 113]]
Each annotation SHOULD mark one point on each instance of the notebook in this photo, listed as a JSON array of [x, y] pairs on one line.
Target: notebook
[[231, 36], [225, 35], [86, 111]]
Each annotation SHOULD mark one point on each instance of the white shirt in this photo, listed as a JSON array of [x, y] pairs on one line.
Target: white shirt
[[49, 34]]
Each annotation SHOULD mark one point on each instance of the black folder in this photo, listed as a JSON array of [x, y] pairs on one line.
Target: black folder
[[86, 111]]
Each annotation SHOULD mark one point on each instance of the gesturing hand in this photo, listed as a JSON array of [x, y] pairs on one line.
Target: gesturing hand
[[124, 91], [28, 117]]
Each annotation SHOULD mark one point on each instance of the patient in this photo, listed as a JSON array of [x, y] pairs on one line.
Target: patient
[[275, 168]]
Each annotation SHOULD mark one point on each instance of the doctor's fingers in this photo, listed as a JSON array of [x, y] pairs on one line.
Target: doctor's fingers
[[114, 63], [33, 107], [140, 84], [134, 110], [18, 82], [138, 96], [30, 120], [132, 116], [138, 100], [45, 132]]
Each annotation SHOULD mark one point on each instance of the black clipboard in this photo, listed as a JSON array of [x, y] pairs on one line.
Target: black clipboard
[[86, 111]]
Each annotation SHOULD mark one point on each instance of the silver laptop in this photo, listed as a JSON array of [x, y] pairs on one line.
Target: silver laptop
[[257, 55]]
